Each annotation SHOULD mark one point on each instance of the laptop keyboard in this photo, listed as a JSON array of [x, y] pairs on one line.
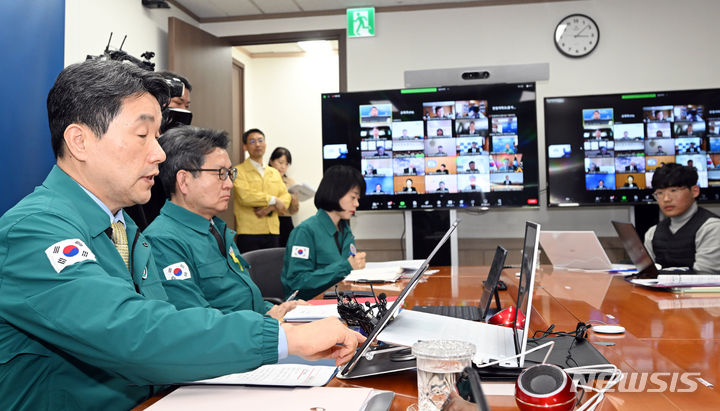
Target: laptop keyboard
[[465, 312]]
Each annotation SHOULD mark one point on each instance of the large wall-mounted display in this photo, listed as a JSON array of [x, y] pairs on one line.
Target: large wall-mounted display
[[603, 149], [437, 147]]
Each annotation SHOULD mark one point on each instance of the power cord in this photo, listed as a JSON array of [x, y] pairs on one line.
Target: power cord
[[579, 334]]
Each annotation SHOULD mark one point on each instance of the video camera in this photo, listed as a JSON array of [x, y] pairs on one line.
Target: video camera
[[120, 55], [172, 117]]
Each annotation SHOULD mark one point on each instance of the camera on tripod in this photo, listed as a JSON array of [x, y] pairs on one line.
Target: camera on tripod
[[172, 117], [121, 55]]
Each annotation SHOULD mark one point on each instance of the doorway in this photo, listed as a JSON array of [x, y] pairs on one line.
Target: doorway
[[282, 95]]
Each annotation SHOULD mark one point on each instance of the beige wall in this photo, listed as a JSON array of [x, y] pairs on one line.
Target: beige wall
[[644, 45], [88, 24]]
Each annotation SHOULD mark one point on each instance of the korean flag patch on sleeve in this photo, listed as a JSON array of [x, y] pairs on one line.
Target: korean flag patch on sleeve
[[300, 252], [177, 271], [68, 252]]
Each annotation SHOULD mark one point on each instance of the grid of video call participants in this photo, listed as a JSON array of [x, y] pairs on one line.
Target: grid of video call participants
[[623, 156], [455, 148]]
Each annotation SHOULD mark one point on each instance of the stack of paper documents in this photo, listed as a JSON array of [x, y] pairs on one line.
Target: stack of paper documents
[[691, 280], [385, 271], [382, 274], [680, 281]]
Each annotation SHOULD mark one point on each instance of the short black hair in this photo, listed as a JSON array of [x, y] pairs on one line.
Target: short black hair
[[185, 148], [674, 175], [279, 152], [92, 93], [337, 181], [252, 130], [170, 74]]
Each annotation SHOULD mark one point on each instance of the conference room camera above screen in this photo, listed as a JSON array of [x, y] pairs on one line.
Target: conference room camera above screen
[[603, 149], [437, 147]]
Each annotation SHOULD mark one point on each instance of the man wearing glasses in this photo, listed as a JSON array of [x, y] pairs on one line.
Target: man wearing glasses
[[193, 248], [690, 235], [259, 193]]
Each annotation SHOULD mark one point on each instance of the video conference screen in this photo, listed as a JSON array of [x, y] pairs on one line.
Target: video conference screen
[[603, 149], [437, 147]]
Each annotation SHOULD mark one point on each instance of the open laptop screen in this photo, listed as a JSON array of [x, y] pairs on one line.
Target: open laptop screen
[[492, 281], [392, 311], [525, 285], [635, 249], [575, 249]]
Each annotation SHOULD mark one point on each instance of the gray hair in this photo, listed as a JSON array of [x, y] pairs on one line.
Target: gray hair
[[185, 148]]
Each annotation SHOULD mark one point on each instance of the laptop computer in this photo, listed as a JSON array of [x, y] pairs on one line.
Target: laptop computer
[[383, 362], [575, 249], [636, 250], [482, 311], [493, 342], [668, 278]]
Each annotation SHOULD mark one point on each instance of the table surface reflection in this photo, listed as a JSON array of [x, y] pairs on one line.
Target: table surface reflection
[[675, 334]]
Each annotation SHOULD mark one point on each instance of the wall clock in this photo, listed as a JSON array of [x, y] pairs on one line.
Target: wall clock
[[576, 35]]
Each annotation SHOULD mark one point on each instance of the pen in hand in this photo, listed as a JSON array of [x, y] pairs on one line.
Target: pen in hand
[[292, 296]]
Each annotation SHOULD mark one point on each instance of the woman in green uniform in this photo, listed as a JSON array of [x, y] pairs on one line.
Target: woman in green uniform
[[321, 251]]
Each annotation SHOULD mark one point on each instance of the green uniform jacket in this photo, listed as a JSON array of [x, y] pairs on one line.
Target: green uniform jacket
[[312, 260], [75, 333], [179, 236]]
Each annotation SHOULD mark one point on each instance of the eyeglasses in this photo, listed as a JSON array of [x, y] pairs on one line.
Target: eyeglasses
[[258, 140], [223, 173], [671, 192]]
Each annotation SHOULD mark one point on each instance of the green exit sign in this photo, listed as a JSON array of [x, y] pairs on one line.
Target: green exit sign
[[361, 22]]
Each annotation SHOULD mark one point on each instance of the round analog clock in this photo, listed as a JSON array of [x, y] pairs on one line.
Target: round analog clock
[[576, 35]]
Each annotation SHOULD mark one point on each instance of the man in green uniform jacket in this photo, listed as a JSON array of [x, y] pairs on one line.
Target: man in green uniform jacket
[[193, 248], [83, 319]]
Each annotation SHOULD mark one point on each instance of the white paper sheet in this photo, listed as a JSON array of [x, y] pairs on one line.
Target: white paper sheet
[[307, 313], [289, 375], [233, 398]]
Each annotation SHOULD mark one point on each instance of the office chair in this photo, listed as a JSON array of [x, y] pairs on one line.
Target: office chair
[[265, 269]]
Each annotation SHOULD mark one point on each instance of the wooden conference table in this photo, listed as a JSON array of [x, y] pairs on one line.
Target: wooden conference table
[[665, 333]]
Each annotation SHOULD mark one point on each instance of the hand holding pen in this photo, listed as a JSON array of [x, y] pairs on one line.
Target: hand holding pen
[[278, 311], [356, 260], [292, 296]]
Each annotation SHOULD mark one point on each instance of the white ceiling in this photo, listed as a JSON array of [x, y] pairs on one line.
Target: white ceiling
[[279, 49], [218, 9]]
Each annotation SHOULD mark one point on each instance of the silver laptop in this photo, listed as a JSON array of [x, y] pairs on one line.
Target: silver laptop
[[364, 362], [493, 342], [574, 249]]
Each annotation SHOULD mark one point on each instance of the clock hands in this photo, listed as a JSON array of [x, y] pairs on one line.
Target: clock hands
[[580, 32]]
